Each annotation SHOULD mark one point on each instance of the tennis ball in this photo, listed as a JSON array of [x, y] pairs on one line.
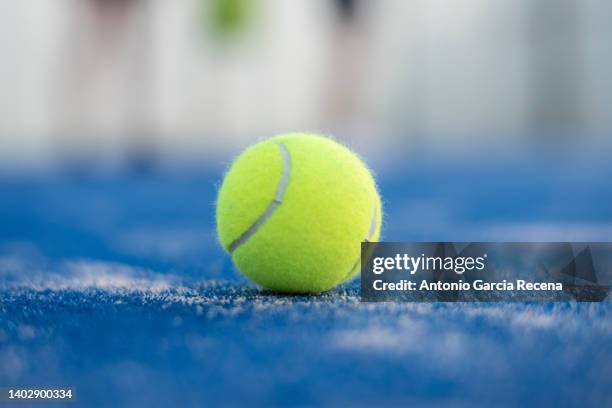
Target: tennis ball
[[293, 210]]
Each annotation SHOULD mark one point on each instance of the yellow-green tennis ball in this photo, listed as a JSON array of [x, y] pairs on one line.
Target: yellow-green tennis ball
[[293, 210]]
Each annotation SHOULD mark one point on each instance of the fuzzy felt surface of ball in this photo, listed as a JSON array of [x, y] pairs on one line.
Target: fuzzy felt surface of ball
[[293, 210]]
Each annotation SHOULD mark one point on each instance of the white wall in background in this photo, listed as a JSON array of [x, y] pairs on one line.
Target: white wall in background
[[427, 71]]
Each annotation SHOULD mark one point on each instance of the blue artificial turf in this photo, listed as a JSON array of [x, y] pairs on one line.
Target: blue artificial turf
[[114, 284]]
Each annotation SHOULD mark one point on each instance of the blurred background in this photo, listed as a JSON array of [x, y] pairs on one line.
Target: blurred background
[[482, 120], [157, 81]]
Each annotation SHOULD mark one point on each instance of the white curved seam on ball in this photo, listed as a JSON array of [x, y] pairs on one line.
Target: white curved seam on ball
[[278, 199], [369, 237], [372, 225]]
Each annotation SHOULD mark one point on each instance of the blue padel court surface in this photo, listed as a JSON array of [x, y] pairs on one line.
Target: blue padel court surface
[[113, 283]]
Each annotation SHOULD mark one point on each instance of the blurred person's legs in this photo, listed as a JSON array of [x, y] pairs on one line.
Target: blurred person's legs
[[347, 65], [105, 81]]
